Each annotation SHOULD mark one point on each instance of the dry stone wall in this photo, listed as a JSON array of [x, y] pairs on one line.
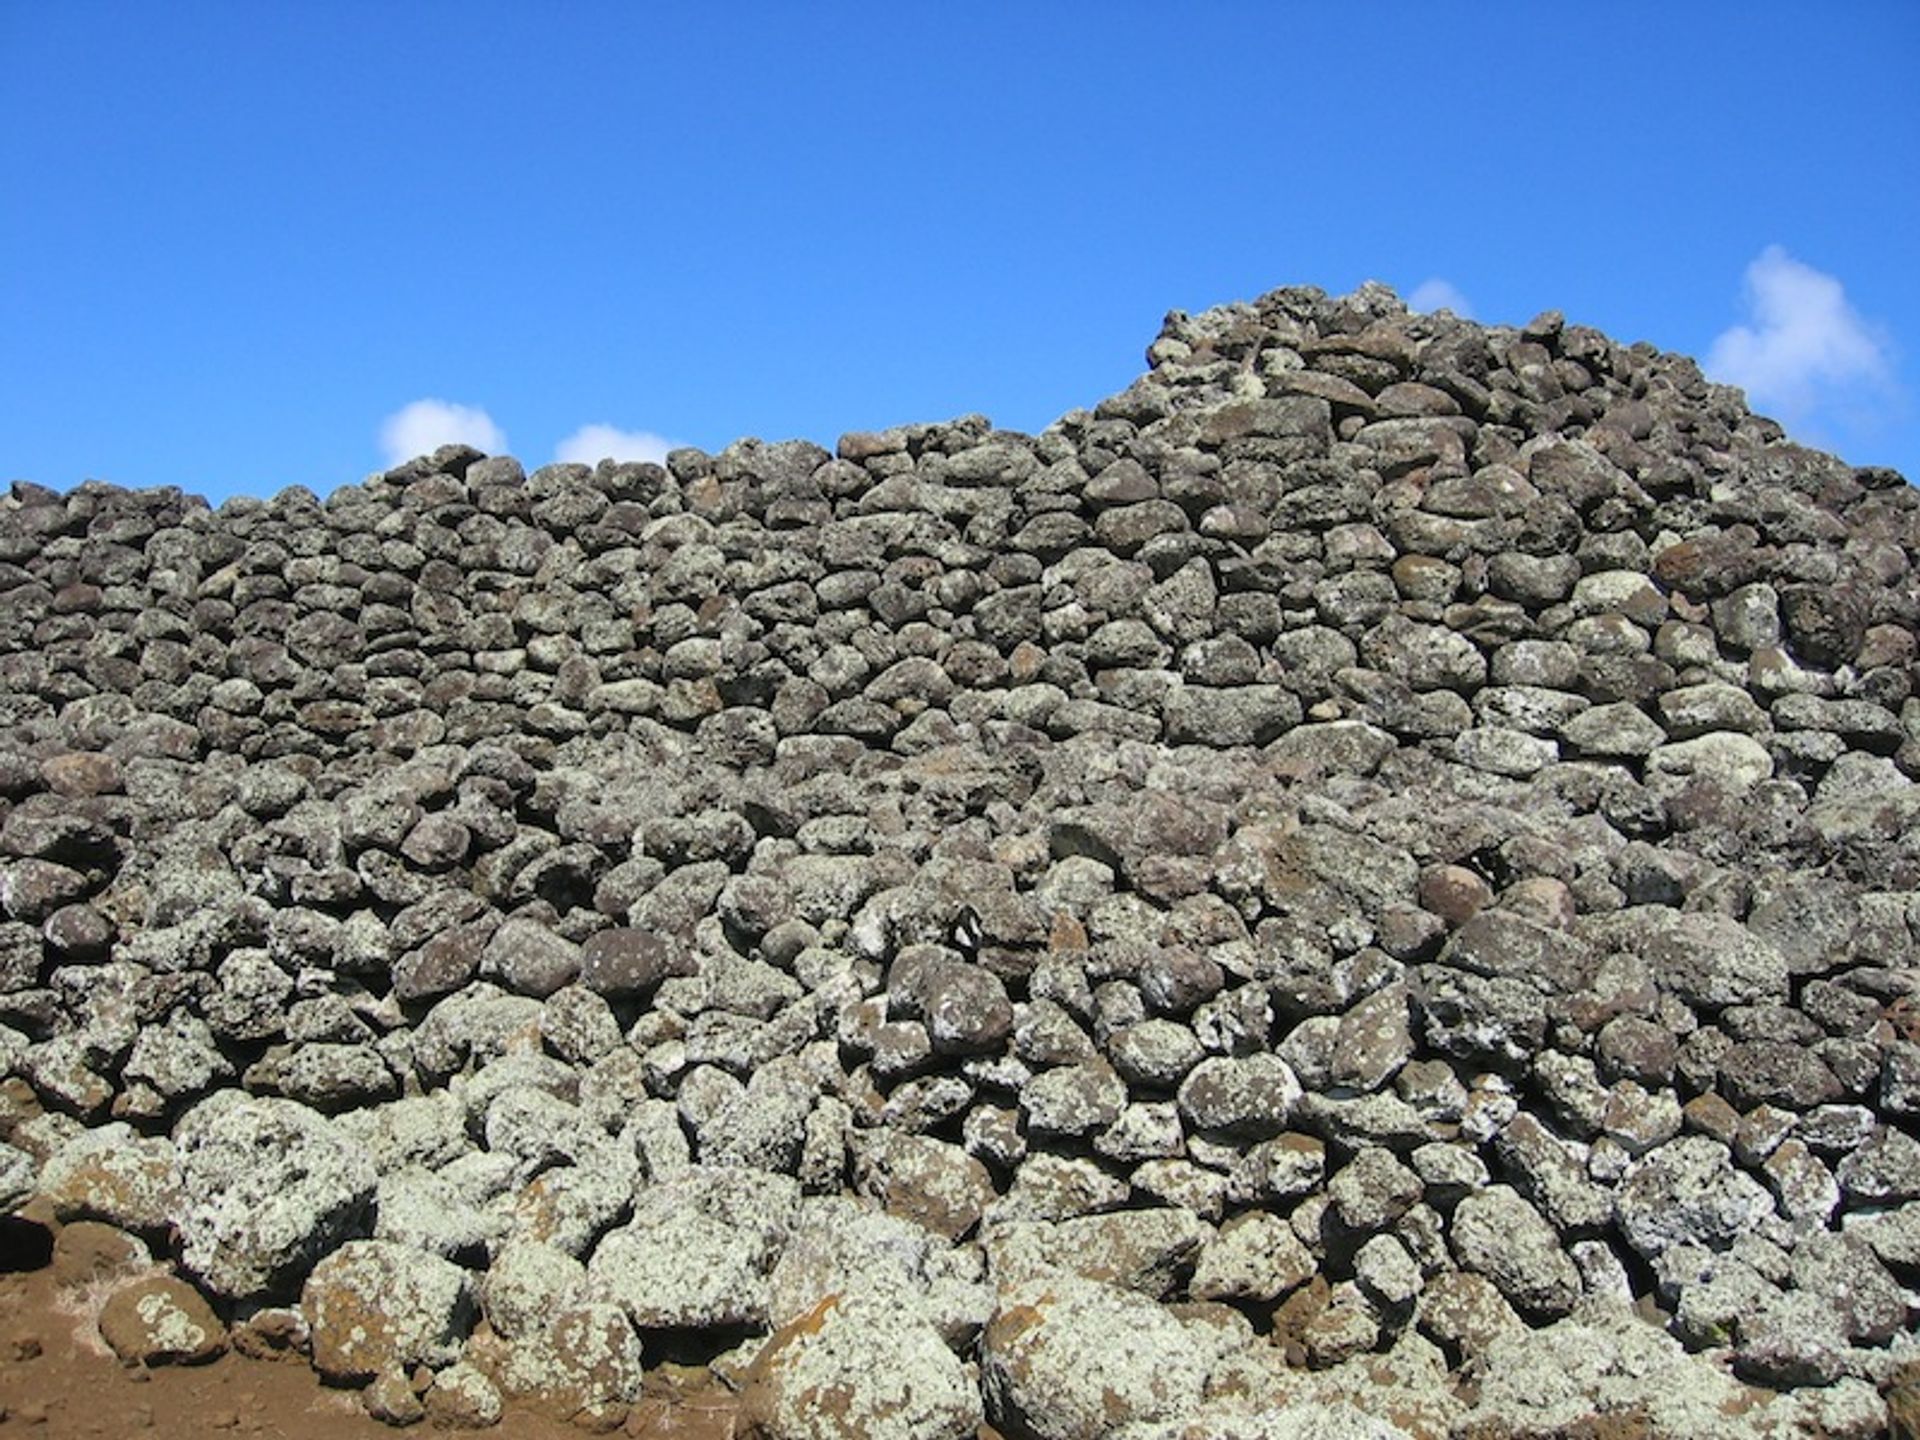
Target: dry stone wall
[[1371, 881]]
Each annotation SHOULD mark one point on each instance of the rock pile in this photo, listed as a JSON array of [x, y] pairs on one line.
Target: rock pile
[[1368, 885]]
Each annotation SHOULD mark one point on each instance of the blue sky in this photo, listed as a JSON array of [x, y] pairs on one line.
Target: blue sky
[[242, 245]]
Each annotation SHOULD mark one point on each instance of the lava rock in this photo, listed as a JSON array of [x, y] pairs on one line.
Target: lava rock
[[1070, 1359], [159, 1320], [1496, 1233], [270, 1188], [815, 1377], [699, 1249]]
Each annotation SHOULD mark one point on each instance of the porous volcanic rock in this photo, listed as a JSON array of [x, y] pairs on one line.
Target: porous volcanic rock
[[1388, 849]]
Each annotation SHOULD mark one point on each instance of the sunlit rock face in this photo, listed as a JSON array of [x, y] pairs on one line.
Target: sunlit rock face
[[1374, 850]]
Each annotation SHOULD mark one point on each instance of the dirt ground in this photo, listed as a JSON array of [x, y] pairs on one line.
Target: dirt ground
[[58, 1380]]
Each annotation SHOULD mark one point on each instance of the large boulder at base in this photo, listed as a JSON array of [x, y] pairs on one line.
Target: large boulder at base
[[845, 1247], [821, 1376], [1071, 1359], [271, 1187], [372, 1305], [1606, 1359], [698, 1251], [113, 1175], [584, 1364]]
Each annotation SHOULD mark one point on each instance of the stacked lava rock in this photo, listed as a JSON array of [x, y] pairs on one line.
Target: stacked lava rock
[[1370, 884]]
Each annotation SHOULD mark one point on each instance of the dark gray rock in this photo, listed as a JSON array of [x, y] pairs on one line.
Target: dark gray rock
[[1776, 1072], [1436, 801], [444, 964], [963, 1006], [1251, 1097], [1706, 960], [619, 963], [530, 959]]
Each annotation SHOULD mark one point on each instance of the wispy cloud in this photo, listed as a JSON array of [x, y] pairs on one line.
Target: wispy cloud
[[1437, 294], [426, 425], [591, 444], [1804, 346]]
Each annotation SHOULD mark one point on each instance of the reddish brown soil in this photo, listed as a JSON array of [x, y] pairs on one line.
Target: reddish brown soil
[[57, 1380]]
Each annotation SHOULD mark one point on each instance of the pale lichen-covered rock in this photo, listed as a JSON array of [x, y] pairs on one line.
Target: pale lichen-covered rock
[[1402, 1392], [114, 1175], [1255, 1256], [20, 1177], [1882, 1170], [1706, 960], [390, 1398], [419, 1209], [815, 1378], [464, 1397], [373, 1304], [923, 1179], [426, 1131], [1373, 1190], [270, 1188], [1496, 1233], [1466, 1313], [698, 1251], [1606, 1359], [1142, 1250], [584, 1363], [1073, 1099], [527, 1282], [1296, 1420], [1732, 760], [1071, 1359], [1689, 1192], [573, 1206], [843, 1246], [1059, 1187]]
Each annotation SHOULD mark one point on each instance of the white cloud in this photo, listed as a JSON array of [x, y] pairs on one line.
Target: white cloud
[[1803, 344], [426, 425], [591, 444], [1437, 294]]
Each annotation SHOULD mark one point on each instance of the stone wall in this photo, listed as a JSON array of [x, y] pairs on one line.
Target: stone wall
[[1384, 856]]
